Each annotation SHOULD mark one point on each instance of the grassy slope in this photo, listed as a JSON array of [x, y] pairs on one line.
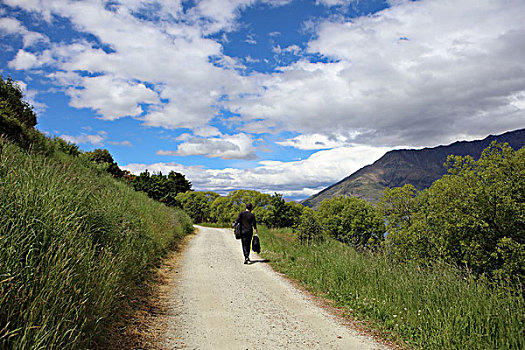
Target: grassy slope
[[438, 309], [72, 240]]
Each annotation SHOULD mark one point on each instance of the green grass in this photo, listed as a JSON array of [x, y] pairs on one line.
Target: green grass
[[72, 243], [439, 308]]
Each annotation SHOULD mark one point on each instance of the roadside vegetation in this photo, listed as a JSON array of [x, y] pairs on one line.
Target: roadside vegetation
[[438, 268], [437, 307], [74, 240]]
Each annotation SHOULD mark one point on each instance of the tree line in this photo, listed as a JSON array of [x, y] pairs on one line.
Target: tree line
[[473, 217]]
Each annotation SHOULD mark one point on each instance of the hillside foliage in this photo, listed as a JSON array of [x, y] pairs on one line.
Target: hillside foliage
[[74, 241], [160, 187], [472, 217]]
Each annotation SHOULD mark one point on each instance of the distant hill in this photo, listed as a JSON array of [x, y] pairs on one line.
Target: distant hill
[[417, 167]]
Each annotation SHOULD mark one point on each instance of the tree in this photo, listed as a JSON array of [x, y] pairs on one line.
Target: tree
[[223, 210], [162, 188], [197, 204], [474, 216], [65, 146], [17, 118], [479, 207], [351, 220], [102, 156], [309, 229], [11, 102], [175, 183]]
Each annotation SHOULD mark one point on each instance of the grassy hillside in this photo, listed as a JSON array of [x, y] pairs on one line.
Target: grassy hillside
[[426, 308], [72, 242]]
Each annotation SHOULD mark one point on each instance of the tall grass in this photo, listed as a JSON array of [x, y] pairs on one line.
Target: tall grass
[[439, 308], [72, 240]]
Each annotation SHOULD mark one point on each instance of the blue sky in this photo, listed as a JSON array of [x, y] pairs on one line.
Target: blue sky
[[285, 96]]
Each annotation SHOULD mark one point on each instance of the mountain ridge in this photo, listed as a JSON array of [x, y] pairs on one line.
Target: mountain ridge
[[419, 167]]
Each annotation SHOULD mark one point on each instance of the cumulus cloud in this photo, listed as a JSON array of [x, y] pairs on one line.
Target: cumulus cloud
[[121, 143], [335, 2], [172, 57], [418, 73], [316, 141], [24, 60], [238, 146], [97, 139], [11, 26], [112, 97], [296, 179], [218, 15]]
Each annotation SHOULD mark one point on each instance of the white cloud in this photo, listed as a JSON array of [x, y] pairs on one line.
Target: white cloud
[[97, 139], [418, 73], [112, 97], [292, 49], [316, 141], [250, 59], [238, 146], [335, 2], [297, 179], [11, 26], [251, 40], [173, 57], [24, 60], [30, 97], [220, 15], [121, 143], [207, 131]]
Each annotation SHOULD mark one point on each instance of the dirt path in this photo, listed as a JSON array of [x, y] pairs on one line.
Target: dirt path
[[220, 303]]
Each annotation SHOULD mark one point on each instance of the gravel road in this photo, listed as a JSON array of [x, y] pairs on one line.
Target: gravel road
[[220, 303]]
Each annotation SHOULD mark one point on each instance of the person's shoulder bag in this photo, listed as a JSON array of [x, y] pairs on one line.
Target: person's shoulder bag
[[237, 230]]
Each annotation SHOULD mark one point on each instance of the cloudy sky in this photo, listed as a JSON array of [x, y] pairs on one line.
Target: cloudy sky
[[285, 96]]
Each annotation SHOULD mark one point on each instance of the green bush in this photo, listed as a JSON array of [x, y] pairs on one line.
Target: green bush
[[197, 204], [351, 220], [309, 230], [473, 217]]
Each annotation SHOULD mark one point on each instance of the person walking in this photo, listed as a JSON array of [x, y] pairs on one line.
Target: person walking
[[247, 221]]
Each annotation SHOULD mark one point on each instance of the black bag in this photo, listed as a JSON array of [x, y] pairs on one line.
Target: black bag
[[256, 245], [237, 230]]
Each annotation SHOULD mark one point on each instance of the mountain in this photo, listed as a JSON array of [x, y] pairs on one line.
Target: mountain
[[417, 167]]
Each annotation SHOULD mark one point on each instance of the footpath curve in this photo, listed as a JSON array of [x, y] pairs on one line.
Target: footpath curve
[[220, 303]]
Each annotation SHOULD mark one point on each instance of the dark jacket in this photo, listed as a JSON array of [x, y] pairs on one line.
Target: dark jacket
[[247, 221]]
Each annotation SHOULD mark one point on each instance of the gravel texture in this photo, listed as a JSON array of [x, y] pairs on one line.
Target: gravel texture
[[220, 303]]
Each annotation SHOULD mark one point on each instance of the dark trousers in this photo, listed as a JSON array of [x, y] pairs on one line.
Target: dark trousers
[[246, 245]]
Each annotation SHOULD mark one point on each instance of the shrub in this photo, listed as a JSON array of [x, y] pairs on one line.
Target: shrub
[[309, 230], [351, 220], [473, 217]]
